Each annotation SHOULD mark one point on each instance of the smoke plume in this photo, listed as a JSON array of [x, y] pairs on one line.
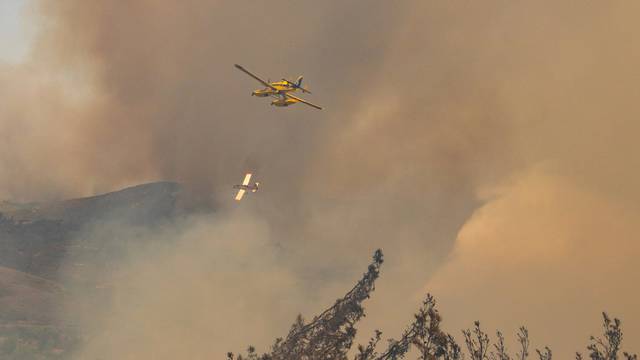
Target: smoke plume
[[489, 148]]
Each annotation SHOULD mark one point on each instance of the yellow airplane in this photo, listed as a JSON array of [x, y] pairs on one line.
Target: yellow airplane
[[280, 90]]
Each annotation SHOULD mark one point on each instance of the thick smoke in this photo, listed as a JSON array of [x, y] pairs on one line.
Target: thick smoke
[[194, 290], [550, 253], [433, 111]]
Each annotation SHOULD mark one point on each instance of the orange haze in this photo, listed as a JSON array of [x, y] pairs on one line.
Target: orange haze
[[490, 148]]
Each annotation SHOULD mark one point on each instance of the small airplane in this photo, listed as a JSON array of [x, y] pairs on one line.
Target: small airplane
[[245, 186], [280, 90]]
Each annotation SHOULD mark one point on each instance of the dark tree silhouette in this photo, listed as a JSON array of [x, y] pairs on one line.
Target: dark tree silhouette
[[607, 348], [330, 335], [523, 340], [477, 342]]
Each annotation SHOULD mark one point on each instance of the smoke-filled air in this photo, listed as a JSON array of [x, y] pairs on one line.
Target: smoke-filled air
[[489, 148]]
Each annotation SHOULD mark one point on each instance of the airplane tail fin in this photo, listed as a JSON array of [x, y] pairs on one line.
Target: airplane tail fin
[[257, 186], [299, 85]]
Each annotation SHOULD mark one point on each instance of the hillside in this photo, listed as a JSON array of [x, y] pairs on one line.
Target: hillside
[[43, 243], [27, 299], [137, 204], [35, 237]]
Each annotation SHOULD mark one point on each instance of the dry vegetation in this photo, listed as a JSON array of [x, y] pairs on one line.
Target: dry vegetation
[[331, 334]]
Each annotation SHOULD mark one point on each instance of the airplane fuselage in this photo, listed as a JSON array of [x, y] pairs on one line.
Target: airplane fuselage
[[279, 88], [252, 188]]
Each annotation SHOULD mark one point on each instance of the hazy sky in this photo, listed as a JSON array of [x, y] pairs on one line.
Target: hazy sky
[[490, 148], [14, 30]]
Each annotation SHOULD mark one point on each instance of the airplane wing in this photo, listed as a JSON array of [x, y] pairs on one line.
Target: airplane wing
[[302, 101], [240, 194], [254, 76], [246, 180]]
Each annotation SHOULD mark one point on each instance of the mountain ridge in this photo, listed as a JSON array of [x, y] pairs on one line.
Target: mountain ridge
[[35, 238]]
